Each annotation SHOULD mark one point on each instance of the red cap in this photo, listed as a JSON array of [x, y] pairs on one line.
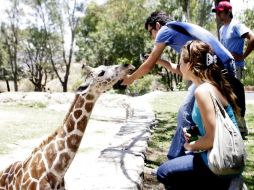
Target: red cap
[[223, 5]]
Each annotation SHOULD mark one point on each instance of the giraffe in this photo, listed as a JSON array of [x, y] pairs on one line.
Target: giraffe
[[46, 166]]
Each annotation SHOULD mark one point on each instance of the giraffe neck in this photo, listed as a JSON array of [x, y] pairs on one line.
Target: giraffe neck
[[49, 162], [61, 148]]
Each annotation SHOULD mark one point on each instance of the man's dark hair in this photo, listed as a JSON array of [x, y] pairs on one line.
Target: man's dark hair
[[157, 16]]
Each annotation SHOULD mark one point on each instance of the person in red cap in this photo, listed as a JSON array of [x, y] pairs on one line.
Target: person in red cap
[[232, 36], [223, 5]]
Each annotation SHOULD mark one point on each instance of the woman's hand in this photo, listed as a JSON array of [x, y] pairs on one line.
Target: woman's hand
[[186, 135], [187, 146]]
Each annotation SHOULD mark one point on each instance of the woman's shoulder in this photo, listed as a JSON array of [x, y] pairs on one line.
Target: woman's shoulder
[[206, 90], [202, 93], [202, 89]]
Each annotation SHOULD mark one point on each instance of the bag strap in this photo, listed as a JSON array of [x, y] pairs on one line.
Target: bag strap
[[216, 102]]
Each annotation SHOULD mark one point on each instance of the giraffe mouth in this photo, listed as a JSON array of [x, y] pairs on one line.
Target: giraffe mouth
[[118, 85], [130, 69]]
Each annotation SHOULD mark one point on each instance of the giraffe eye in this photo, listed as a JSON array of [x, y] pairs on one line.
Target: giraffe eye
[[82, 88], [101, 74]]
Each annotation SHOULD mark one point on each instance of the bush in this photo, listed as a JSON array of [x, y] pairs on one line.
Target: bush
[[249, 72], [141, 86]]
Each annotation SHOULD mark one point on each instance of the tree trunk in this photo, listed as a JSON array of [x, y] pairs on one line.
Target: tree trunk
[[7, 85], [65, 88], [15, 81]]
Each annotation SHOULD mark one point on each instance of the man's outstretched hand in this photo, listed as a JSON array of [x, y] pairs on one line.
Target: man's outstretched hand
[[127, 80]]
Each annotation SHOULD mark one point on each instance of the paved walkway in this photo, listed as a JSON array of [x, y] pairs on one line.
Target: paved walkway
[[111, 155], [249, 97]]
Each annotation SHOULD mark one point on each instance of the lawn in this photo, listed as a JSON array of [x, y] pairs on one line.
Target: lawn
[[166, 107], [19, 122]]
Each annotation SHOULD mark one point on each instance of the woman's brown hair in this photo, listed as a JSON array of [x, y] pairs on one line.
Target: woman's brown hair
[[205, 65]]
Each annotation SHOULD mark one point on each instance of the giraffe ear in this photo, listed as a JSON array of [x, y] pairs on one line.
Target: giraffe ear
[[87, 68]]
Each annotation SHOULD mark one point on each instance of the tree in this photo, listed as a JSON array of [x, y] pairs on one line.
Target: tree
[[5, 73], [36, 57], [11, 33], [61, 22], [117, 34], [202, 14], [247, 19]]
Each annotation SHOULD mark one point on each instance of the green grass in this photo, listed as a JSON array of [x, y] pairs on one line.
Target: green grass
[[26, 122], [249, 170], [166, 107]]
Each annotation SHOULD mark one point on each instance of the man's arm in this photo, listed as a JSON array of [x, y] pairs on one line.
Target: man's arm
[[147, 66], [250, 46], [173, 67]]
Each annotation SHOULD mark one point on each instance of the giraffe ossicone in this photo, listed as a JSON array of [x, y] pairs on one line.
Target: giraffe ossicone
[[46, 166]]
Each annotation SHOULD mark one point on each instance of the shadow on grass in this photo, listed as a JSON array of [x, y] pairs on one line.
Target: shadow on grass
[[161, 139]]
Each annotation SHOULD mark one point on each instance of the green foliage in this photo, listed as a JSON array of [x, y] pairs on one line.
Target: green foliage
[[121, 60], [141, 86], [107, 34], [5, 69], [248, 172], [247, 18], [249, 22], [181, 85], [76, 84], [36, 55], [172, 8], [119, 32], [194, 11], [249, 72], [201, 14]]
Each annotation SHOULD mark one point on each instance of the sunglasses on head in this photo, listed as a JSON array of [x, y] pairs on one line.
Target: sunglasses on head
[[188, 47]]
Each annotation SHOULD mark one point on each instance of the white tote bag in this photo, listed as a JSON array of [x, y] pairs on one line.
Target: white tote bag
[[228, 155]]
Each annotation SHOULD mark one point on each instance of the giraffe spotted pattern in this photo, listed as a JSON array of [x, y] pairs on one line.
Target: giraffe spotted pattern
[[46, 166]]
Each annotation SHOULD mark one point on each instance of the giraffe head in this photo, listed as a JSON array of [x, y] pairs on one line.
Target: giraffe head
[[102, 78]]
